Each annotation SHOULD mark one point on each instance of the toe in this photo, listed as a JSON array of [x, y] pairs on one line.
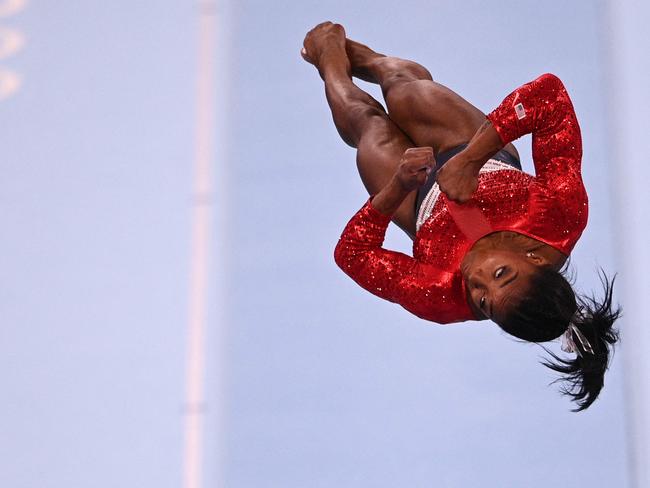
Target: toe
[[305, 56]]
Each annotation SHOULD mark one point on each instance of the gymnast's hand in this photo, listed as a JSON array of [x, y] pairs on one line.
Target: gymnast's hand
[[414, 167], [458, 178]]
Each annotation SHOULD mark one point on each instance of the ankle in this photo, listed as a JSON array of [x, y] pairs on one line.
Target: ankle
[[332, 65], [362, 57], [363, 60]]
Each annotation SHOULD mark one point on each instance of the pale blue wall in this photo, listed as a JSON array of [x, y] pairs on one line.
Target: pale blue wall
[[94, 197]]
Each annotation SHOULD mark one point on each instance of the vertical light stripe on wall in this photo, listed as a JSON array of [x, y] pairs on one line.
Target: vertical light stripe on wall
[[201, 229], [629, 79]]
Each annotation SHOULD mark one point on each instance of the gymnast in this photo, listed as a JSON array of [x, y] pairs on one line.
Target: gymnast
[[490, 241]]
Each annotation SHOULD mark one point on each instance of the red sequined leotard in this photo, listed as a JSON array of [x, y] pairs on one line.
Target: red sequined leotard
[[550, 207]]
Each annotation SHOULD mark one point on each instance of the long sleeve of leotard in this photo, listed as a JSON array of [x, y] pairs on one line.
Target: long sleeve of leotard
[[543, 107], [422, 289]]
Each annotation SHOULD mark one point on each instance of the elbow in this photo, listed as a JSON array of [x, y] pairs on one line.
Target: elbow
[[551, 81], [349, 259], [340, 254]]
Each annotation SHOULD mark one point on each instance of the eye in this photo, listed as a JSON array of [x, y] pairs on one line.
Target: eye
[[499, 272], [482, 302]]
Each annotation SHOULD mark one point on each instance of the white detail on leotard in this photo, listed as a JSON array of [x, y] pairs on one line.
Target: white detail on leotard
[[431, 198], [520, 111]]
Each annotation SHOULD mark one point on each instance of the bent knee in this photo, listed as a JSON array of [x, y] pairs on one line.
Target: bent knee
[[412, 96], [398, 71]]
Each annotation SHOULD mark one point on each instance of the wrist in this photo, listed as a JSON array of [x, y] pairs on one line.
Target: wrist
[[473, 161], [485, 143], [388, 200], [396, 185]]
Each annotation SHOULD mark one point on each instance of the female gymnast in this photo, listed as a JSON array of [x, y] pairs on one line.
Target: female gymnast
[[490, 241]]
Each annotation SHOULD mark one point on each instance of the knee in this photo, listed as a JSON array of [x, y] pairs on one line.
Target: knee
[[409, 97], [400, 71], [412, 71]]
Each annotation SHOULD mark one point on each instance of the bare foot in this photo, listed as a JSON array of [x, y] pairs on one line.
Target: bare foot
[[323, 39]]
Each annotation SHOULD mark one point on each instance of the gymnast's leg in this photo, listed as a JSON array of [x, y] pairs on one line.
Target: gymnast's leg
[[429, 113], [360, 120]]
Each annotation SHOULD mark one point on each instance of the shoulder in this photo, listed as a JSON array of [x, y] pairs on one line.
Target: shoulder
[[559, 213]]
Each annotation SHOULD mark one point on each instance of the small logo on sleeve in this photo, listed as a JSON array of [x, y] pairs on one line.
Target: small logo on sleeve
[[520, 111]]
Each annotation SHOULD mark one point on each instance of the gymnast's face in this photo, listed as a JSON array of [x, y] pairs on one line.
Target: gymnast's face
[[496, 280]]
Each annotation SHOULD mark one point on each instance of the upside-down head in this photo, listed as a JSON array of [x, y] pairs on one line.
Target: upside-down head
[[530, 300]]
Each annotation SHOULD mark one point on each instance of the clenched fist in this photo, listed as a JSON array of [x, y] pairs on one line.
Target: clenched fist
[[458, 178], [414, 167]]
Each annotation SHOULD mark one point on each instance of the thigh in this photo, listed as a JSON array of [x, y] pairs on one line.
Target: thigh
[[378, 155], [432, 114]]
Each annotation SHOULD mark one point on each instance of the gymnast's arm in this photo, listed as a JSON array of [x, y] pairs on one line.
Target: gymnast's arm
[[422, 289], [541, 107]]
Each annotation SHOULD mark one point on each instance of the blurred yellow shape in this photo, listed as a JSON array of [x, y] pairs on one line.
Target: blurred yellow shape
[[11, 7], [9, 83], [11, 41]]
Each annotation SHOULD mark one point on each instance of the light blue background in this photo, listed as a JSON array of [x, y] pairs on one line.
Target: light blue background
[[325, 385]]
